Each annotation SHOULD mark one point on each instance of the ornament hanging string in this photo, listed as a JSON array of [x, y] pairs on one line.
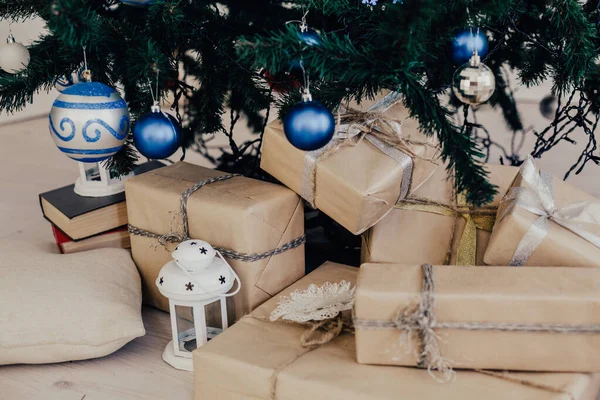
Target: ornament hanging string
[[86, 74], [85, 64], [303, 24], [152, 93], [9, 21]]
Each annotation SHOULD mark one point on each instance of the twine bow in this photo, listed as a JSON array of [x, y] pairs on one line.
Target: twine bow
[[537, 197], [418, 319], [322, 332]]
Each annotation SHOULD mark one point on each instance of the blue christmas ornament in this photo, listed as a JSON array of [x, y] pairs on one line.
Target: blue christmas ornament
[[309, 36], [466, 42], [89, 121], [138, 3], [156, 134], [309, 125]]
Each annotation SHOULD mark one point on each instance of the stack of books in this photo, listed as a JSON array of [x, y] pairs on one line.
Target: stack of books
[[87, 223]]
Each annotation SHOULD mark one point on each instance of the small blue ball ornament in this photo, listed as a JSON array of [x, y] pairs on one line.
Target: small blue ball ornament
[[466, 42], [138, 3], [89, 121], [309, 125], [309, 36], [156, 134]]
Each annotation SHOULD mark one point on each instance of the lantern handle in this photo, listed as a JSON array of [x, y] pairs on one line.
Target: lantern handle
[[237, 279]]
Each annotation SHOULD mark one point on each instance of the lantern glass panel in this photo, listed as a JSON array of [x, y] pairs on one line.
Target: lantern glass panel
[[185, 328]]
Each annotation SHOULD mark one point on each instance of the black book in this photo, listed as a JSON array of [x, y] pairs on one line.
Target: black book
[[82, 217]]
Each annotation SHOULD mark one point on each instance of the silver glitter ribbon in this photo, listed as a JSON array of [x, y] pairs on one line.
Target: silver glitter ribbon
[[537, 197], [345, 133]]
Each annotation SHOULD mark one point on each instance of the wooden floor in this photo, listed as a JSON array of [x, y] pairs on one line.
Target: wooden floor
[[137, 371]]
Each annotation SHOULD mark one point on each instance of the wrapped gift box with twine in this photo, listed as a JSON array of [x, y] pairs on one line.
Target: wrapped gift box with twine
[[265, 360], [545, 221], [431, 225], [446, 317], [356, 179], [257, 226]]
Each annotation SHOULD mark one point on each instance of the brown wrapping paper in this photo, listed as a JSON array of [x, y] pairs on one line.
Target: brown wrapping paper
[[559, 247], [357, 185], [413, 237], [526, 295], [241, 214], [262, 360]]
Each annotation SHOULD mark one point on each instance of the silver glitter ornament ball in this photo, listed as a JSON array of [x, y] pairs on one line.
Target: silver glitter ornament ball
[[548, 106], [474, 83]]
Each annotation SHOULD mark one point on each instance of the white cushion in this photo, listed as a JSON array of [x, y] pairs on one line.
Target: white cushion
[[57, 308]]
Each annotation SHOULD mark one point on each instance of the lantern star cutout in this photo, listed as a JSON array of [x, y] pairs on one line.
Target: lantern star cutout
[[203, 250], [189, 286], [222, 280], [161, 280], [193, 243]]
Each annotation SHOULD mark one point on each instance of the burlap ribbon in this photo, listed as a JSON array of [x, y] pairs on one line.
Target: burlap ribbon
[[178, 237], [354, 126], [537, 197], [419, 321], [479, 218]]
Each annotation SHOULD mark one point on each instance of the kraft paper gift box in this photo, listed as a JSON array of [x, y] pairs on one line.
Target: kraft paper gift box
[[429, 226], [263, 360], [356, 185], [545, 221], [240, 214], [526, 319]]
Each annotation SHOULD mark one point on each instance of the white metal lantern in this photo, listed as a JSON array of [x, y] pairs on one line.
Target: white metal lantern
[[197, 276]]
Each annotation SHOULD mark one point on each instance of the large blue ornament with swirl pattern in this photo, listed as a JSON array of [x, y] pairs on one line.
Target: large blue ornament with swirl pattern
[[89, 121]]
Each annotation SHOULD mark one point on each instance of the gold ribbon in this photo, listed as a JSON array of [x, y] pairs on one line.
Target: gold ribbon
[[480, 218], [536, 195]]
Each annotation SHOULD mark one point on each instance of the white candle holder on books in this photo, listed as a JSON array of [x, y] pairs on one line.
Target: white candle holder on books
[[97, 181]]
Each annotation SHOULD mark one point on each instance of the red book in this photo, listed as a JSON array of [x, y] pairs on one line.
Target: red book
[[118, 238]]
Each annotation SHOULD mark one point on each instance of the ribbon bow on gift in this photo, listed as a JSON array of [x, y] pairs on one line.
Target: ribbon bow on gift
[[320, 309], [537, 197]]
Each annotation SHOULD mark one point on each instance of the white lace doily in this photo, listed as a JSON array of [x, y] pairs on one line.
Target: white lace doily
[[315, 303]]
